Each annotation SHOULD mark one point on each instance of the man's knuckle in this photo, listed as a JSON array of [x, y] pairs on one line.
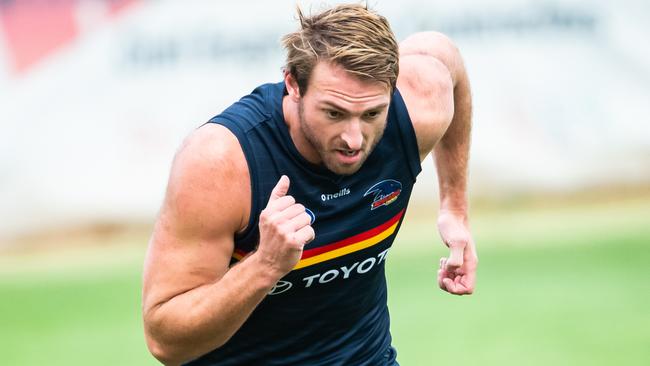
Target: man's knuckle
[[286, 235], [272, 220]]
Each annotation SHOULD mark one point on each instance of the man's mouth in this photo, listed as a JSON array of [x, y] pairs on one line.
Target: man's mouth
[[348, 156]]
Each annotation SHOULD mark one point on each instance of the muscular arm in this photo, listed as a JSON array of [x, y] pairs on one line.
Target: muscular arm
[[441, 112], [442, 108], [192, 301], [452, 151]]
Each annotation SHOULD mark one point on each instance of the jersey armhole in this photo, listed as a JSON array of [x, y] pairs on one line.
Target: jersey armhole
[[407, 134], [252, 172]]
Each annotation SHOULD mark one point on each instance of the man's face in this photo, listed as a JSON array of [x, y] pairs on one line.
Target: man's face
[[342, 117]]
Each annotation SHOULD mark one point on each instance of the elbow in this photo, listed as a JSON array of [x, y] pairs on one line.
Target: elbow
[[163, 353], [162, 347], [159, 349], [168, 353], [174, 341], [171, 354]]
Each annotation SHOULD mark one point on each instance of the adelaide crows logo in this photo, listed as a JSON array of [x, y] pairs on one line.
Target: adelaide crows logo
[[386, 192]]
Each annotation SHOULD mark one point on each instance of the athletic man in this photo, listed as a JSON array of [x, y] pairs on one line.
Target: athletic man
[[279, 214]]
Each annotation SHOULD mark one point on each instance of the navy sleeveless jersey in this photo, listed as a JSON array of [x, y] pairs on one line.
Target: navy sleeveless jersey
[[331, 309]]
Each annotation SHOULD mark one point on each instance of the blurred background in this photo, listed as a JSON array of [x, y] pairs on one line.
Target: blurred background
[[96, 95]]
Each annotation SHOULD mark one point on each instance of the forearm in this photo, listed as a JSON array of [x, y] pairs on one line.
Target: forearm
[[204, 318], [452, 151]]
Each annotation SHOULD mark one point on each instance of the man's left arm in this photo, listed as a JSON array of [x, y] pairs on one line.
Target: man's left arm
[[457, 273], [435, 82]]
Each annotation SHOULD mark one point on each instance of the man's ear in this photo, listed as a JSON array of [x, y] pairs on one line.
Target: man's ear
[[292, 86]]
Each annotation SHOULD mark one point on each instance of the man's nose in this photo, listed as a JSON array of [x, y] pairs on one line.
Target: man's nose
[[352, 135]]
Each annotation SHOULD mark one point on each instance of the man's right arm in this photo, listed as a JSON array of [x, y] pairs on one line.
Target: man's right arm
[[193, 302]]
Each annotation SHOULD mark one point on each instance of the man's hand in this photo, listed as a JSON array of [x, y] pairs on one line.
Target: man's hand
[[284, 230], [457, 274]]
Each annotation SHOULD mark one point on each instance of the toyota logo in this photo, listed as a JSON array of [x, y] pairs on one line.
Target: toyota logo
[[280, 287]]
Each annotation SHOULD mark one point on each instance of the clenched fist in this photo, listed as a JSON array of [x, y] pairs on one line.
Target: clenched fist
[[457, 273], [284, 230]]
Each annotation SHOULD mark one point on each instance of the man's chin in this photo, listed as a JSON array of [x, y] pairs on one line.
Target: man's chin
[[342, 169]]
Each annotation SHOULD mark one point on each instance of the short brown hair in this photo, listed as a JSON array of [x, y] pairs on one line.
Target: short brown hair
[[350, 35]]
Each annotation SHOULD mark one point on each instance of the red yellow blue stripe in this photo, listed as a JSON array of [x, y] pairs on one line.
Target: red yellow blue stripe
[[343, 247]]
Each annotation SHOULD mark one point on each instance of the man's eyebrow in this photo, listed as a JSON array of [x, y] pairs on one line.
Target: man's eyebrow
[[335, 106]]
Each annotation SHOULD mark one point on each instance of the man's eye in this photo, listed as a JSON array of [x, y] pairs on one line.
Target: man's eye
[[372, 115], [333, 114]]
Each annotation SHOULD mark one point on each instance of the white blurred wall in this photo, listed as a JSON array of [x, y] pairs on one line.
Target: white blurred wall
[[87, 133]]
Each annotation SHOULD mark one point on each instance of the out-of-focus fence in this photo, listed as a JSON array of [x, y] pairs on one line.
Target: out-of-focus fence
[[95, 96]]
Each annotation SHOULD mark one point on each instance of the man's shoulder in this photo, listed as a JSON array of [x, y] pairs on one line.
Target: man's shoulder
[[210, 146], [429, 63], [210, 176], [426, 81], [432, 49]]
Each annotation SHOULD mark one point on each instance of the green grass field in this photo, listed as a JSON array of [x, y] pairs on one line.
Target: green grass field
[[557, 286]]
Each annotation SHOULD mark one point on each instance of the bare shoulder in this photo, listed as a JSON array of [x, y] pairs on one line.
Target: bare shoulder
[[430, 68], [209, 180], [437, 46]]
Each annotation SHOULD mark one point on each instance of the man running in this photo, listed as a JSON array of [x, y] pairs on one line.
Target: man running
[[279, 213]]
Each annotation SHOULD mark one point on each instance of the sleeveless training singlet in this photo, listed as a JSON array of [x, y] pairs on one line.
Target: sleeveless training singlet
[[331, 309]]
